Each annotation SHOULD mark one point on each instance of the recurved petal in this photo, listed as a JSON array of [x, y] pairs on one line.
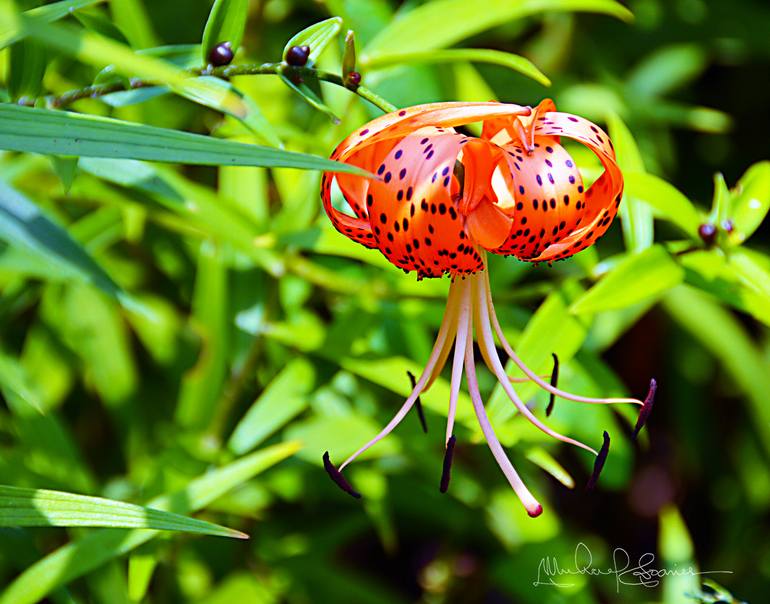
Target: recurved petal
[[413, 208], [439, 115], [549, 197], [356, 228], [601, 199]]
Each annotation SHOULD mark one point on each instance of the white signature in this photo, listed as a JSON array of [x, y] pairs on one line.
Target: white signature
[[641, 574]]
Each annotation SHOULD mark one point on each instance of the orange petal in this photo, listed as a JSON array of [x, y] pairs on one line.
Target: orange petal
[[549, 198], [356, 229], [488, 226], [602, 198], [413, 209]]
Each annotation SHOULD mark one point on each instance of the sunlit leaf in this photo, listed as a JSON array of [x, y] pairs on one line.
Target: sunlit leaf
[[665, 199], [443, 22], [226, 23], [635, 216], [316, 36], [10, 31], [751, 201], [637, 278], [283, 399], [83, 555], [60, 133], [41, 507], [473, 55]]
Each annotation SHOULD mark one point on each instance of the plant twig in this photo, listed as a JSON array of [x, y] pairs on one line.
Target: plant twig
[[224, 72]]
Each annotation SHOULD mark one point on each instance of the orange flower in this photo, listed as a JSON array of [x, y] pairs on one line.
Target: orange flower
[[442, 199]]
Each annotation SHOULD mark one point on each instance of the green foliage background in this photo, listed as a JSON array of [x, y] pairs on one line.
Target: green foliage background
[[190, 333]]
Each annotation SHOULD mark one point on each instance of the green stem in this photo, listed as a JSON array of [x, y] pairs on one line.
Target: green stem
[[225, 72]]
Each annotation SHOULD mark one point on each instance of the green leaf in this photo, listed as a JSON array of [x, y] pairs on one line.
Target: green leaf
[[753, 268], [720, 207], [25, 227], [666, 69], [62, 133], [317, 37], [202, 385], [10, 32], [27, 63], [132, 19], [665, 199], [349, 54], [676, 551], [41, 507], [636, 217], [536, 344], [84, 555], [475, 55], [252, 118], [635, 279], [443, 22], [284, 398], [226, 23], [66, 169], [751, 201], [544, 460], [304, 89], [723, 335]]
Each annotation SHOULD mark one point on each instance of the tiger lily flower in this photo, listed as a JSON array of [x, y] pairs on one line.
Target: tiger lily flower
[[442, 200]]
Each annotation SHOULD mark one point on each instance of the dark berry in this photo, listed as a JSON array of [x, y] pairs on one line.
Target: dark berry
[[708, 233], [297, 55], [728, 226], [353, 78], [221, 54]]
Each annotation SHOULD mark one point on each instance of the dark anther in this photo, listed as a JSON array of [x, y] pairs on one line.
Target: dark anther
[[418, 403], [554, 381], [338, 478], [297, 55], [446, 470], [728, 226], [646, 408], [708, 233], [221, 54], [353, 79], [599, 463]]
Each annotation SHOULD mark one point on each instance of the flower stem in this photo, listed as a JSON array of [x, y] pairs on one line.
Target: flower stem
[[223, 72]]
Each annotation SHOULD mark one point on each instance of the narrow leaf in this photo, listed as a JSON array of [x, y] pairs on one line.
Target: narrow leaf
[[57, 132], [283, 399], [10, 32], [474, 55], [751, 200], [84, 555], [443, 22], [41, 507], [226, 23], [635, 279], [317, 37], [26, 228], [667, 201], [635, 216]]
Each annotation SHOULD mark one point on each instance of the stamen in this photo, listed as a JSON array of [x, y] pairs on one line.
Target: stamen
[[531, 374], [530, 503], [554, 380], [463, 327], [486, 342], [446, 332], [599, 463], [338, 478], [446, 470], [649, 401], [418, 402]]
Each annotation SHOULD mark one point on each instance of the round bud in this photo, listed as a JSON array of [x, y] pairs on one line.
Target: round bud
[[221, 54], [708, 233], [353, 78], [297, 55]]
